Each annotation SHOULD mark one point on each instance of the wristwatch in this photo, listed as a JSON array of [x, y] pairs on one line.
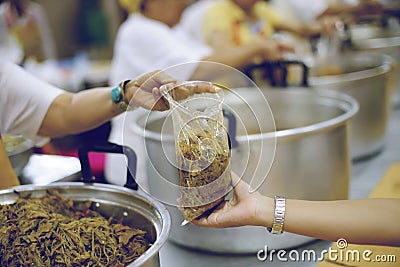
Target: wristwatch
[[118, 96], [279, 216]]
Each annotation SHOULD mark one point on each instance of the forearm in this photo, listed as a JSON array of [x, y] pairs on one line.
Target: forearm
[[236, 56], [366, 221], [225, 52], [75, 113]]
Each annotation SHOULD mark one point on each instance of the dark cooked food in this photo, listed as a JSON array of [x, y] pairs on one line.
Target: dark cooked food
[[55, 231], [203, 179]]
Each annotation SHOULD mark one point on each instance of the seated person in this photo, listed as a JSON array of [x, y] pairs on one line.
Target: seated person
[[241, 21], [148, 40], [25, 32]]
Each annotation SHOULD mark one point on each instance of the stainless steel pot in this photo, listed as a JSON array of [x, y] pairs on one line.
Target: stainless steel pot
[[312, 159], [365, 76], [384, 40], [134, 208]]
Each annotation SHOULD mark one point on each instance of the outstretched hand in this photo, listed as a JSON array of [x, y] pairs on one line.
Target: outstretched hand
[[244, 208], [146, 91]]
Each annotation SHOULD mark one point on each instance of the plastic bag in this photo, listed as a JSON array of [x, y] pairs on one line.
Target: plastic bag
[[202, 152]]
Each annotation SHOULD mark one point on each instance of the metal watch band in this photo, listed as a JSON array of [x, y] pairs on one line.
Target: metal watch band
[[279, 215]]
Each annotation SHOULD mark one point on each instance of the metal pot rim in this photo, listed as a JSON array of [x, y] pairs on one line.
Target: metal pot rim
[[377, 37], [162, 236], [346, 102]]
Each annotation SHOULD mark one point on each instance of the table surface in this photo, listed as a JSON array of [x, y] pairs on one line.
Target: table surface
[[365, 176]]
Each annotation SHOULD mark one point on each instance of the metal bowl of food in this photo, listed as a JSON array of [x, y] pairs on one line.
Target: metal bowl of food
[[19, 150], [135, 213]]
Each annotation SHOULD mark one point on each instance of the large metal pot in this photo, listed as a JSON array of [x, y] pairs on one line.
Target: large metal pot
[[383, 40], [312, 159], [134, 208], [365, 76], [19, 150]]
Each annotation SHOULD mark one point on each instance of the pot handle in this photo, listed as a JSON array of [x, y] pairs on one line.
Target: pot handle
[[107, 147], [231, 128], [271, 66]]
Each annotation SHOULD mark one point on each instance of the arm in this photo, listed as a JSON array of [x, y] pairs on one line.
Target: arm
[[73, 113], [364, 221], [261, 49]]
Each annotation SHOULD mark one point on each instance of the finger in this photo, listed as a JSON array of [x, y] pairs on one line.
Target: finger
[[168, 89], [212, 220], [185, 90], [221, 219], [205, 88], [163, 78], [285, 47], [144, 77]]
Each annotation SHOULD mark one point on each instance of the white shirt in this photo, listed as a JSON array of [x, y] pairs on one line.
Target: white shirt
[[24, 101], [143, 45]]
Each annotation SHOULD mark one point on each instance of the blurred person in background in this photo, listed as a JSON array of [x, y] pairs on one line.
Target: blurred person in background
[[249, 18], [241, 22], [25, 32], [148, 40], [348, 10], [149, 34], [37, 110]]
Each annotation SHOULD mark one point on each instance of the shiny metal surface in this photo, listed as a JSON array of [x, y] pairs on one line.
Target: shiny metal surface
[[19, 155], [134, 208], [383, 40], [312, 160], [366, 77]]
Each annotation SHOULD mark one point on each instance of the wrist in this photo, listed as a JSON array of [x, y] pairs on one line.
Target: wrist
[[121, 95]]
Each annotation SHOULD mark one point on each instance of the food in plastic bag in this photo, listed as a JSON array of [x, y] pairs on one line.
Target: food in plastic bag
[[202, 152]]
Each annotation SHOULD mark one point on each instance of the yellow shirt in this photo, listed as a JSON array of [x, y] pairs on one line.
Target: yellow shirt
[[227, 17]]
